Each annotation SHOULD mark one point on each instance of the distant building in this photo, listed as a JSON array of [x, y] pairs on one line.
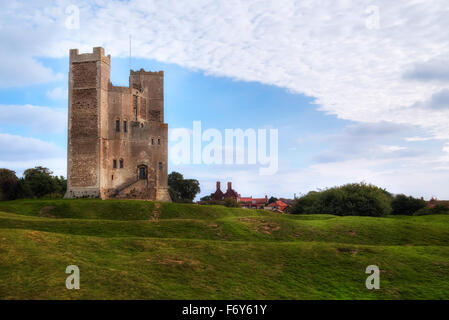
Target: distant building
[[434, 202], [253, 203], [218, 195], [278, 205], [245, 202]]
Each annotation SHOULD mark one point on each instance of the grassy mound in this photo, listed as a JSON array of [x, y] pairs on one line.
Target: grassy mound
[[146, 250]]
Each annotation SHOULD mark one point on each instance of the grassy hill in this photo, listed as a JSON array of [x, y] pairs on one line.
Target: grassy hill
[[146, 250]]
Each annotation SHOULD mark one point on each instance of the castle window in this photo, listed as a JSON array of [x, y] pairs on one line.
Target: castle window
[[125, 126], [117, 125], [160, 165], [152, 140], [142, 173], [114, 164], [159, 141], [135, 105], [121, 163], [112, 177]]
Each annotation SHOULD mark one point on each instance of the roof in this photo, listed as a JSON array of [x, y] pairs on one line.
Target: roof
[[279, 204], [253, 200]]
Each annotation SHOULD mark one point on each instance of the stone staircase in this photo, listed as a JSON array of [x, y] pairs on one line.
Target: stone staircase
[[137, 189]]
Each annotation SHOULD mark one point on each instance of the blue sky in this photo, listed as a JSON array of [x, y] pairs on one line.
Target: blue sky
[[353, 98]]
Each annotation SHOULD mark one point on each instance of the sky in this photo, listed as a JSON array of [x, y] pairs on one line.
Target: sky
[[357, 90]]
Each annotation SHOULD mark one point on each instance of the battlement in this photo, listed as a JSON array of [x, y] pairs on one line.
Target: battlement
[[143, 72], [96, 55]]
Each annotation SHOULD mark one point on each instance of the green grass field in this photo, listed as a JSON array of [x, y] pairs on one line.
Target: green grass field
[[147, 250]]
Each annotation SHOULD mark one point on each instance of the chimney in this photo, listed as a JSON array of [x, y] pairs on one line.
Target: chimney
[[218, 185], [229, 185]]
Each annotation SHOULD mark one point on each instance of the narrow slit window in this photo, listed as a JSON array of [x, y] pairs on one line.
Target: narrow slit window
[[152, 141], [125, 126], [160, 165], [121, 163], [159, 141], [114, 164], [117, 125], [135, 106]]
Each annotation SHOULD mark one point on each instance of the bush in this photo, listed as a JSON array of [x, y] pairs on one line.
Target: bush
[[53, 195], [229, 202], [213, 202], [206, 198], [438, 209], [402, 204], [355, 199]]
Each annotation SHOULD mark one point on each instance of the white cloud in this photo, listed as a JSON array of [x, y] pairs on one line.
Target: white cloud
[[328, 52], [38, 119], [18, 70], [15, 147], [414, 139], [20, 153], [325, 51], [57, 93]]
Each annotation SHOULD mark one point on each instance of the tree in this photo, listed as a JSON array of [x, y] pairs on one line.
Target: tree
[[41, 182], [272, 199], [402, 204], [8, 184], [182, 190], [206, 198], [355, 199]]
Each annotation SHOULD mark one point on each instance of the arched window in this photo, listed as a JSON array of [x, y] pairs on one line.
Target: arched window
[[125, 126], [121, 163], [117, 125], [160, 166], [152, 141], [159, 141], [114, 164]]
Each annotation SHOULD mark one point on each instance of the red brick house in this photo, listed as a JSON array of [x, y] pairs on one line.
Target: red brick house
[[218, 194], [230, 193], [245, 202], [433, 202], [253, 203], [278, 205]]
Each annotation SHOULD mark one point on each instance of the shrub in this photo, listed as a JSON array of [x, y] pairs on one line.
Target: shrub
[[213, 202], [206, 198], [355, 199], [401, 204], [53, 195], [229, 202], [438, 209]]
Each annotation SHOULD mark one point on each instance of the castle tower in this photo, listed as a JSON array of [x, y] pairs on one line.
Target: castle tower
[[88, 81], [117, 140]]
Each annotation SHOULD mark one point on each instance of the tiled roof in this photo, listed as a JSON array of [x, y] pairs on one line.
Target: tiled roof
[[279, 204]]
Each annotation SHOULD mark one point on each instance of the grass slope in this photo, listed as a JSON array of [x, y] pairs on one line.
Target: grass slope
[[142, 250]]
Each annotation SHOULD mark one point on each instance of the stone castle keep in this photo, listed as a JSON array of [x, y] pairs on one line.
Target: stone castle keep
[[117, 138]]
